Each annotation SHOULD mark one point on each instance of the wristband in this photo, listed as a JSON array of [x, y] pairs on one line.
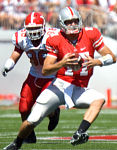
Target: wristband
[[106, 60]]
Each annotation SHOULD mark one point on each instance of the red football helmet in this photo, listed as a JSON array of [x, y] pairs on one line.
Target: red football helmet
[[35, 25]]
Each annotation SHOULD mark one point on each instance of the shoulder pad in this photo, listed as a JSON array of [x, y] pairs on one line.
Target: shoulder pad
[[18, 37]]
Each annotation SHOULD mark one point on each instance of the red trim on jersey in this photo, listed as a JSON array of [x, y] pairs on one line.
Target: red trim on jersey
[[16, 35], [71, 11]]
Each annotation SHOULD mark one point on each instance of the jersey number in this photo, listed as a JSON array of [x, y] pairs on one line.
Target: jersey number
[[37, 57], [83, 72]]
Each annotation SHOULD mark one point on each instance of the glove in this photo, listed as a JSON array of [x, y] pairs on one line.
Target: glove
[[9, 65], [4, 72]]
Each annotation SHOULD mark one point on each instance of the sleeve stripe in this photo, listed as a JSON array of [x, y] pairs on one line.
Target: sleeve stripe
[[98, 42], [51, 55], [50, 49]]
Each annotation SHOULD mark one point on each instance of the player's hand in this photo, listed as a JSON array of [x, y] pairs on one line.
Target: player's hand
[[4, 72], [69, 59], [90, 62]]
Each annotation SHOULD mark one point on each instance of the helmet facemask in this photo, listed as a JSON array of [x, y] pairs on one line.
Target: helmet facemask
[[67, 14], [35, 33]]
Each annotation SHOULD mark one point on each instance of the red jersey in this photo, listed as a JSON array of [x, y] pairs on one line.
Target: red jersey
[[88, 41]]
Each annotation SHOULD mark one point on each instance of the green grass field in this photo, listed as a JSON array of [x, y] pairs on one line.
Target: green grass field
[[105, 124]]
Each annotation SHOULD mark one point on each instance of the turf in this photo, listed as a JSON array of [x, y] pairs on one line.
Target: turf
[[105, 124]]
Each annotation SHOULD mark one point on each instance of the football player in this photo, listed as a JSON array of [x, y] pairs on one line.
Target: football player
[[69, 88], [31, 40]]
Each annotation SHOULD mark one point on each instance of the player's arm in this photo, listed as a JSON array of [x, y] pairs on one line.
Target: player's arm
[[11, 61], [107, 58], [52, 66]]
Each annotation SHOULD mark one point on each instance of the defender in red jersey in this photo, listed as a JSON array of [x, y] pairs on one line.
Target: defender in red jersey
[[69, 88]]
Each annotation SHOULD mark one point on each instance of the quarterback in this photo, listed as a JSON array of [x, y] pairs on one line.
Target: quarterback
[[71, 57], [31, 40]]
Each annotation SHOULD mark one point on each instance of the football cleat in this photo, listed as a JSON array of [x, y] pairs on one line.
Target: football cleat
[[12, 146], [79, 138], [54, 120], [31, 138]]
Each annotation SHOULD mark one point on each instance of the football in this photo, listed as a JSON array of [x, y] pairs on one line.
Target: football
[[79, 60]]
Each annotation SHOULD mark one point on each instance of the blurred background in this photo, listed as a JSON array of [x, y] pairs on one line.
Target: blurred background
[[101, 14]]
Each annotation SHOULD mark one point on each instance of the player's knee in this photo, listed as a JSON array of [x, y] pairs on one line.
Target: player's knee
[[34, 122], [98, 103], [102, 101], [30, 125]]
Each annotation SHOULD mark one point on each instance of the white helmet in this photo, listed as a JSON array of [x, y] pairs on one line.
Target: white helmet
[[35, 25], [69, 13]]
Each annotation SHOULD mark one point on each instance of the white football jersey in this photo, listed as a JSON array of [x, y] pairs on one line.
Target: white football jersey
[[35, 54]]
